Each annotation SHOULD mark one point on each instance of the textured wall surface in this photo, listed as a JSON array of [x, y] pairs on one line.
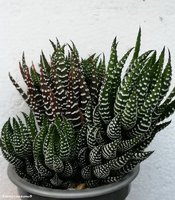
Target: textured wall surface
[[92, 25]]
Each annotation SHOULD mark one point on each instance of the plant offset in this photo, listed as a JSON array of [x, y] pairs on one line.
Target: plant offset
[[88, 123]]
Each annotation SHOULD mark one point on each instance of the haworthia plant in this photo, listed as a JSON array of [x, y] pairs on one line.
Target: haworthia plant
[[95, 120], [63, 86], [129, 113], [48, 154]]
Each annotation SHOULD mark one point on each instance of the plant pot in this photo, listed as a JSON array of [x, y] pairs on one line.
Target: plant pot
[[114, 191]]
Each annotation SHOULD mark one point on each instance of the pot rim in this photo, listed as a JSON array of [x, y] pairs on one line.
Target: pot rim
[[70, 194]]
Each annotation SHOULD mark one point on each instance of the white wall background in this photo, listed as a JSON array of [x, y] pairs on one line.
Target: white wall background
[[92, 25]]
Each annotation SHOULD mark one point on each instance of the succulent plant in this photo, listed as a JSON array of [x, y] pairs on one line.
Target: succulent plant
[[42, 156], [127, 116], [95, 124], [60, 87]]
